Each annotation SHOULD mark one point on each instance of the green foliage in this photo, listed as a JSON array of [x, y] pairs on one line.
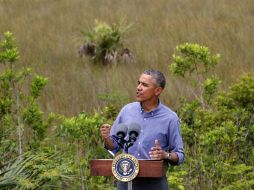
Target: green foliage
[[218, 140], [42, 170], [114, 102], [37, 85], [242, 93], [33, 117], [217, 127], [106, 38], [58, 158], [197, 61], [215, 147], [81, 136], [210, 87], [176, 179], [192, 57], [19, 109], [9, 52], [19, 112]]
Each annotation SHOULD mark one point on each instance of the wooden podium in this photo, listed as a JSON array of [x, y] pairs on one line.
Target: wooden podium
[[147, 168]]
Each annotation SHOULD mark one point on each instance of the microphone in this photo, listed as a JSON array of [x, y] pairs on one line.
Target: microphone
[[120, 134], [133, 132]]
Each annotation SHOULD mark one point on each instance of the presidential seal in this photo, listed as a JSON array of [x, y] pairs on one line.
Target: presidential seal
[[125, 167]]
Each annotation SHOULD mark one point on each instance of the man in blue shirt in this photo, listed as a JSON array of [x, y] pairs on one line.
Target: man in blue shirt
[[160, 136]]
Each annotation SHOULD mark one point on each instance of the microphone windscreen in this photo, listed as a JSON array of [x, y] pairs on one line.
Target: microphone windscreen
[[134, 127], [121, 129]]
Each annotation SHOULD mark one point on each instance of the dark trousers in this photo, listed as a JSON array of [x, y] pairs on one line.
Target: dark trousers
[[145, 183]]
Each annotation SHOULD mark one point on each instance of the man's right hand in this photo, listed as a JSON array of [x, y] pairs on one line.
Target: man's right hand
[[105, 133]]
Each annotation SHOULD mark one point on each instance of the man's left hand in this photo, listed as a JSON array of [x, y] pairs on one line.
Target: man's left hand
[[156, 153]]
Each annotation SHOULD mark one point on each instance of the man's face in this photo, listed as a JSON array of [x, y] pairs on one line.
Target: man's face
[[147, 88]]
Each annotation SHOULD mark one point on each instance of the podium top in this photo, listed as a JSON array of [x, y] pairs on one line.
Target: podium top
[[147, 168]]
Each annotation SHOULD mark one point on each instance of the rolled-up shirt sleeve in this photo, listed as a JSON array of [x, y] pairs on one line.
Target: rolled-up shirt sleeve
[[116, 146], [113, 133], [175, 139]]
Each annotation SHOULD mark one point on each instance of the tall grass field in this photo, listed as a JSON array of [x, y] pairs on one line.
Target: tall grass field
[[49, 33]]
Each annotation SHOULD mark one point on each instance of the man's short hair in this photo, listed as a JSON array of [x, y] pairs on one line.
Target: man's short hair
[[158, 76]]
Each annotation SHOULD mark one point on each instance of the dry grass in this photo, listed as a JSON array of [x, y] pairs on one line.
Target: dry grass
[[48, 35]]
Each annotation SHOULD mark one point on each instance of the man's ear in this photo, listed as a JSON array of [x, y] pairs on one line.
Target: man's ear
[[158, 91]]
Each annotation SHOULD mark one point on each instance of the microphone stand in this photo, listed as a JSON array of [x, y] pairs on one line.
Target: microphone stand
[[126, 147], [129, 185]]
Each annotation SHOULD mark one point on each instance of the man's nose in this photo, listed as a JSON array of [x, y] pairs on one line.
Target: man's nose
[[139, 87]]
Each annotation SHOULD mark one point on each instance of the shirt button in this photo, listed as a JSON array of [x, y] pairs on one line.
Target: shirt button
[[144, 119], [138, 142], [138, 154]]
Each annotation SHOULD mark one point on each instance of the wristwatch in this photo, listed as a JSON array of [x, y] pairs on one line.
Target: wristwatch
[[169, 156]]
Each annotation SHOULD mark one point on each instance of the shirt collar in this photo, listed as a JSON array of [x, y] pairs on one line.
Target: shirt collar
[[155, 110]]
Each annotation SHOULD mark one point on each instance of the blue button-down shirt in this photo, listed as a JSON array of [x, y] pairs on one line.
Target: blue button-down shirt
[[160, 124]]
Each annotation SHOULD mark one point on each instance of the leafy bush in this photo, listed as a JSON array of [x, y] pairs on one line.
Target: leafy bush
[[19, 110], [217, 131], [81, 136], [196, 61], [38, 158], [21, 166], [41, 170], [104, 42]]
